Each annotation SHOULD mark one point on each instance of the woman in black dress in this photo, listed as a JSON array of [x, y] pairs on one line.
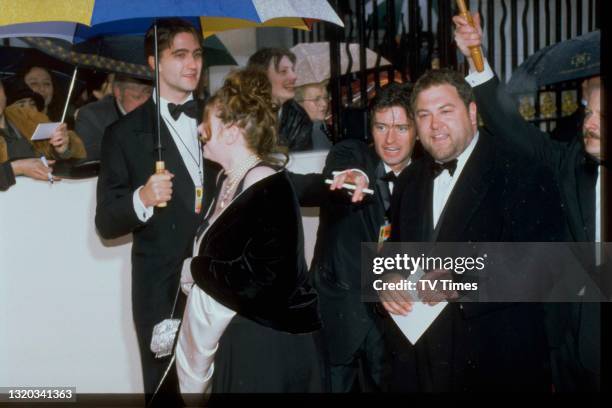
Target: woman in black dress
[[250, 316]]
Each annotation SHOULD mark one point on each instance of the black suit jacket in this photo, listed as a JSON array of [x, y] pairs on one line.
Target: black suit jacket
[[566, 160], [570, 165], [336, 267], [499, 197], [165, 240], [91, 122]]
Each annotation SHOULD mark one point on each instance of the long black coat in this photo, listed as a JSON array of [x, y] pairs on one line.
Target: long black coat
[[162, 243], [499, 197]]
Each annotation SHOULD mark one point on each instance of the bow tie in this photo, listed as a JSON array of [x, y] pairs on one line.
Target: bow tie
[[438, 168], [189, 108], [389, 177]]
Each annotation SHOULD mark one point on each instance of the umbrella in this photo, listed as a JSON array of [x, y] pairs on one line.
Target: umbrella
[[63, 50], [70, 21], [313, 64], [121, 54], [95, 18], [564, 61]]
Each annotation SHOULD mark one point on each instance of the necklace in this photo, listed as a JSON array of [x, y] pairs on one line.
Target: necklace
[[234, 176]]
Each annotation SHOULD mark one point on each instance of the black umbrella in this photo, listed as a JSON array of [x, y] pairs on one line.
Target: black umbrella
[[89, 58], [564, 61]]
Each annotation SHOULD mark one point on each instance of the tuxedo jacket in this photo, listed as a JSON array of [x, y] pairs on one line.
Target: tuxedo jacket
[[91, 122], [568, 161], [336, 264], [499, 197], [162, 243]]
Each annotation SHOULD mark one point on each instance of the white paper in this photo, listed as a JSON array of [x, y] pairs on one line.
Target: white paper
[[45, 130], [417, 321]]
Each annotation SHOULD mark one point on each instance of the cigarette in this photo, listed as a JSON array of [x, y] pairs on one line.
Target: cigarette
[[351, 187]]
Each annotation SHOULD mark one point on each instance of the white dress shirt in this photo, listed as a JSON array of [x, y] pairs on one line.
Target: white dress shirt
[[184, 132], [444, 183]]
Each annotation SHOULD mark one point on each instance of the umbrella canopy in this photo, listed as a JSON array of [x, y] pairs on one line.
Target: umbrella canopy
[[63, 50], [76, 21], [120, 54], [564, 61], [313, 63]]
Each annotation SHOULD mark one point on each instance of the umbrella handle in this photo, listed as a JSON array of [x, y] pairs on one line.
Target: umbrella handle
[[70, 89], [475, 52], [160, 167]]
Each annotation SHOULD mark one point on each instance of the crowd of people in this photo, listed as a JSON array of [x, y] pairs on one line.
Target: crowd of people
[[218, 240]]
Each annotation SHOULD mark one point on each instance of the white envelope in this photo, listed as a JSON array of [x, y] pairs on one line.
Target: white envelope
[[45, 130], [415, 323]]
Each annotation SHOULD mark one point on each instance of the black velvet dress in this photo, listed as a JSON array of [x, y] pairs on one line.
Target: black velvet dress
[[251, 260]]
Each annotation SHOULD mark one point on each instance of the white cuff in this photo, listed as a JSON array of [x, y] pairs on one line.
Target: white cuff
[[143, 213], [479, 78]]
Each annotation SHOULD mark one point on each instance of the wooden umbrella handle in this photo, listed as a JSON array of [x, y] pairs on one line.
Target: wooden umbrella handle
[[160, 167], [475, 52]]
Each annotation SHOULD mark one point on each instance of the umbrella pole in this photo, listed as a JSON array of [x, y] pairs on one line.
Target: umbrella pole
[[159, 164], [70, 89]]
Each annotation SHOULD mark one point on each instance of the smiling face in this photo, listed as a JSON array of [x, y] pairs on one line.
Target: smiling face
[[39, 80], [282, 80], [180, 66], [444, 124], [394, 136]]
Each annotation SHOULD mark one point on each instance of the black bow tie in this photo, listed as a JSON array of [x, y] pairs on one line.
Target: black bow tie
[[389, 177], [189, 108], [438, 168]]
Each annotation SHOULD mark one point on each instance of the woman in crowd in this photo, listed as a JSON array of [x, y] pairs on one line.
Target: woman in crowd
[[251, 311], [41, 81], [294, 125], [315, 101], [23, 113]]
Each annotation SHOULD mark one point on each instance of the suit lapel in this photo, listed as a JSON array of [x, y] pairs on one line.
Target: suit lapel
[[468, 192]]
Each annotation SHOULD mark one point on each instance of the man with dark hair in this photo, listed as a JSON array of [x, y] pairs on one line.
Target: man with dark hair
[[295, 127], [469, 189], [350, 327], [92, 119], [129, 189]]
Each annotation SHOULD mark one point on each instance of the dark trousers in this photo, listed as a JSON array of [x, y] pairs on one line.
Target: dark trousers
[[368, 364]]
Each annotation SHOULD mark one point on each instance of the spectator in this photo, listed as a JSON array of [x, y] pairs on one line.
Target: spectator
[[315, 101], [20, 113], [91, 122], [295, 127]]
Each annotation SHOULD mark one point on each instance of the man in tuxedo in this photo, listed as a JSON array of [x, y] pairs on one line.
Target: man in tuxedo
[[91, 122], [469, 189], [352, 331], [129, 190], [574, 328]]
